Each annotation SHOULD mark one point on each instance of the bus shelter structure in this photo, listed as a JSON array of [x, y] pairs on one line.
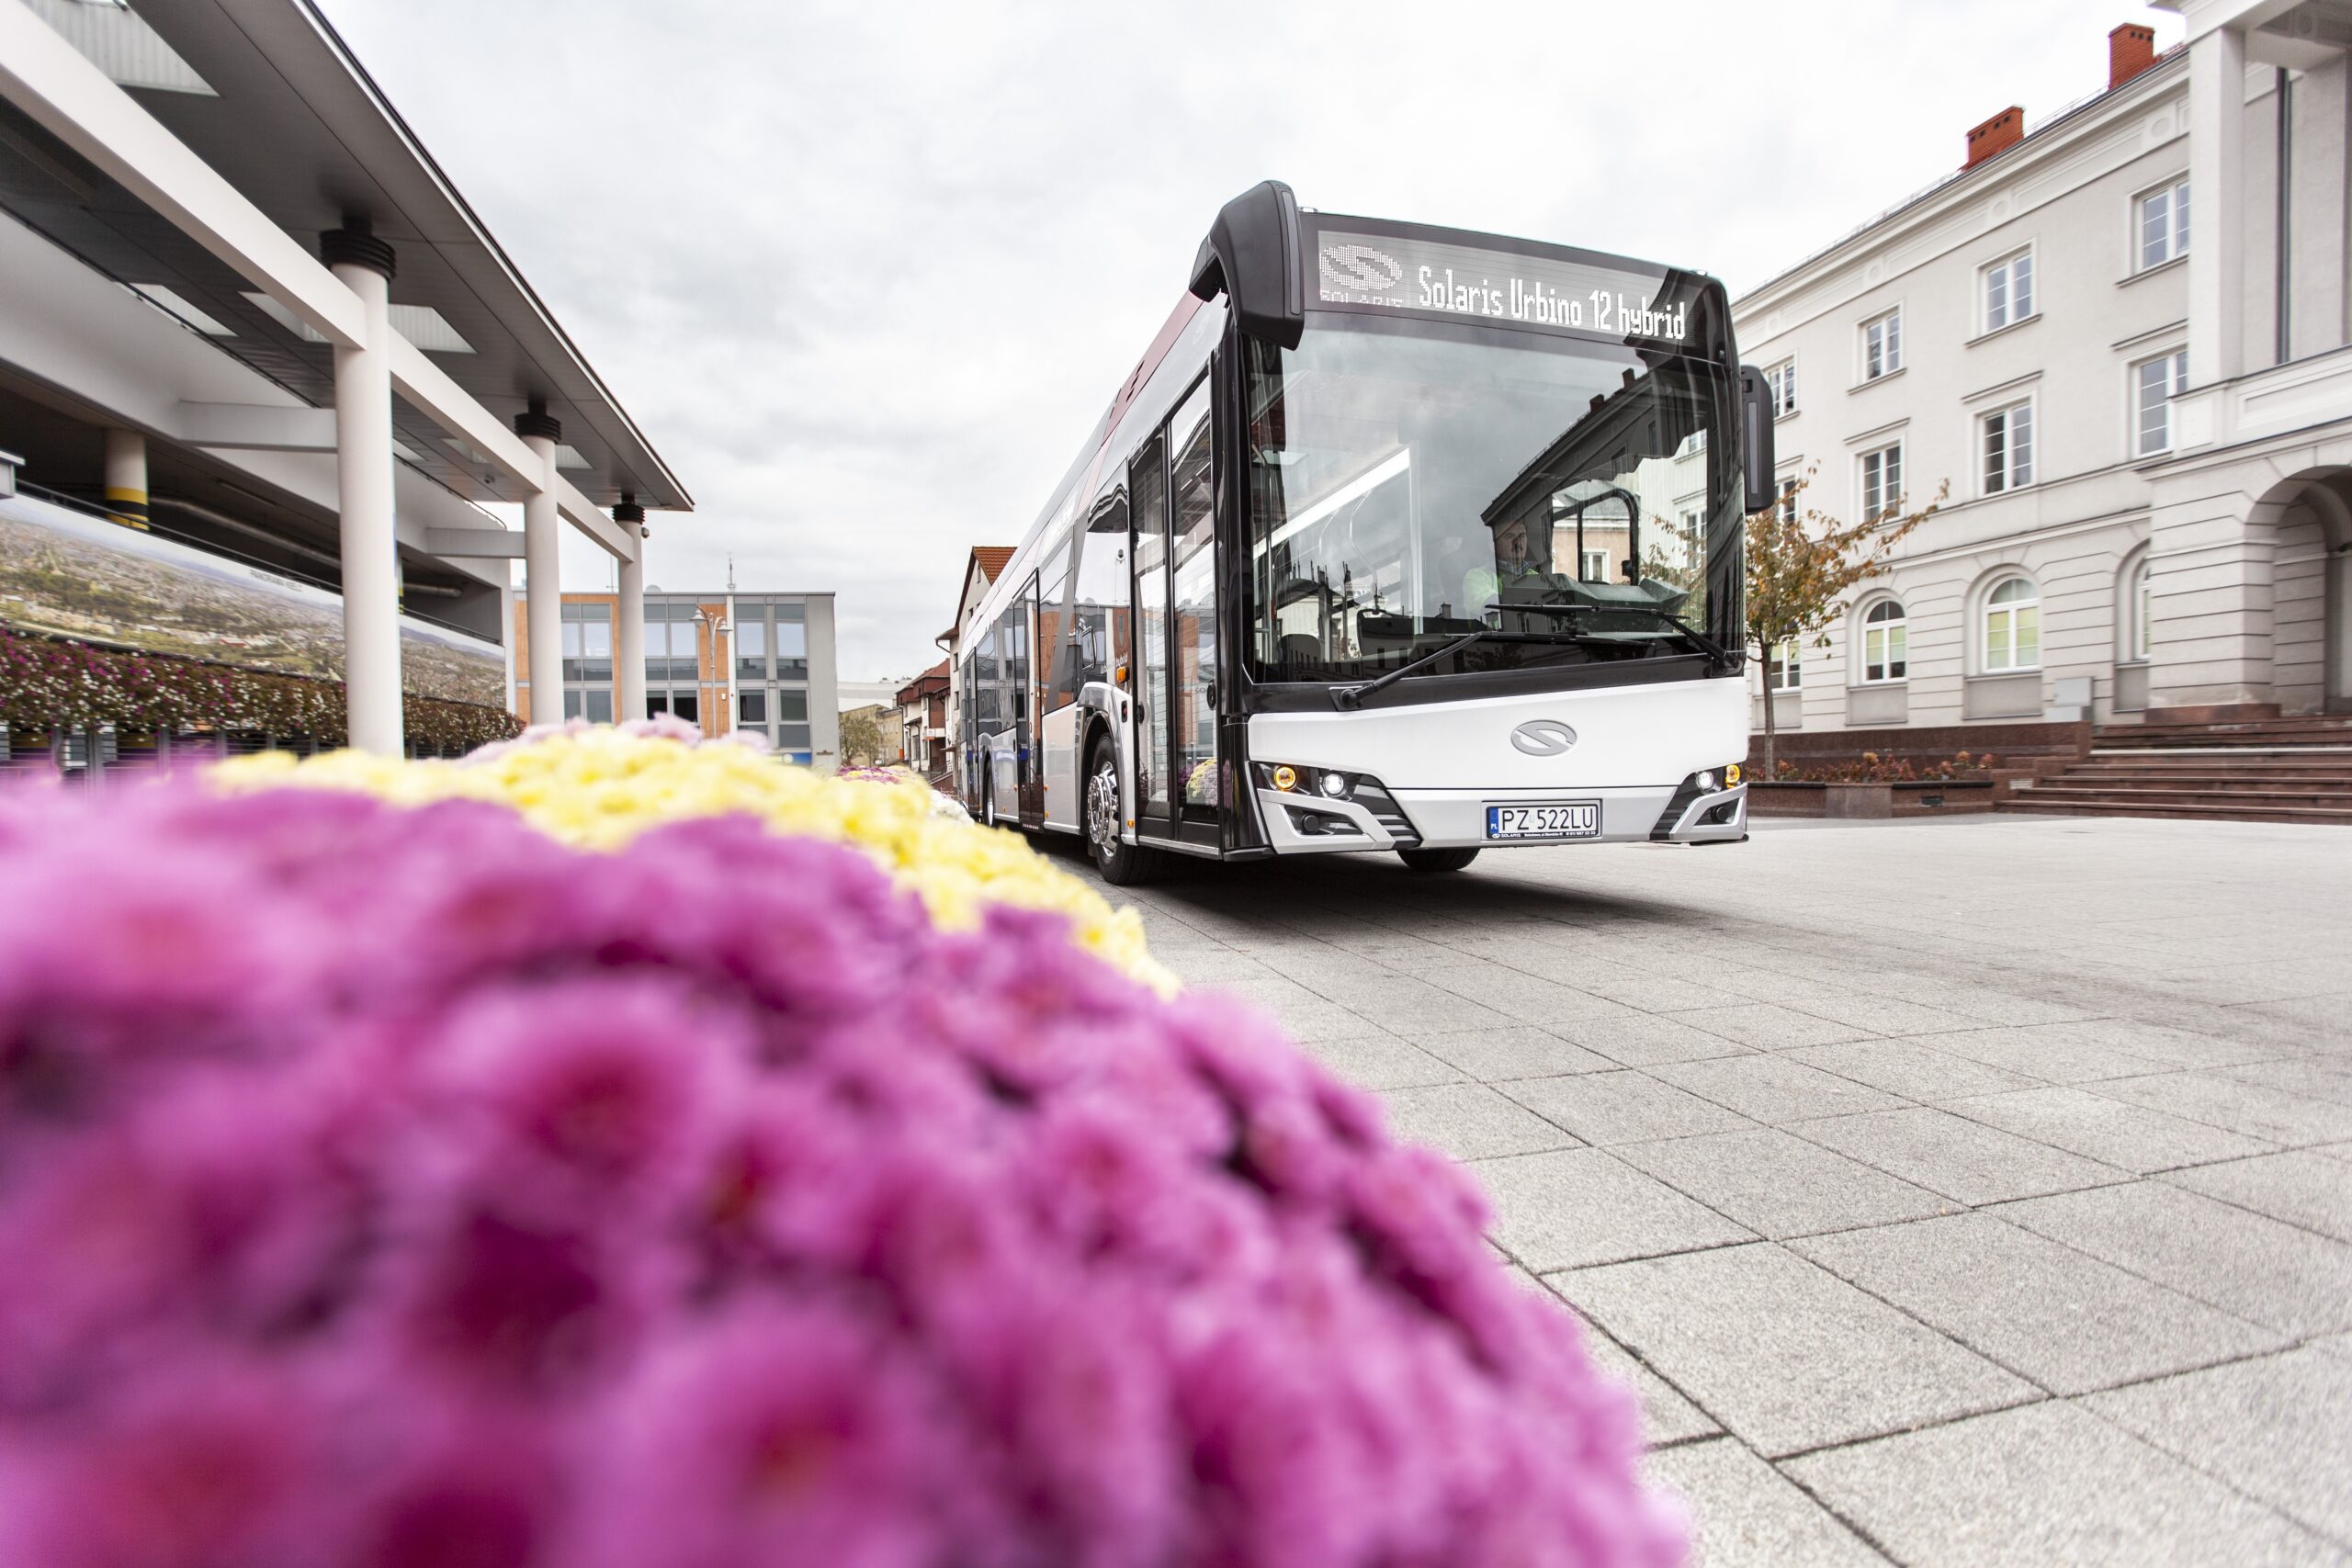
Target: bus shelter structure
[[233, 267]]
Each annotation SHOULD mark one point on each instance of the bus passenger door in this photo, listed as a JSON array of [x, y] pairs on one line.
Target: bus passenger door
[[1148, 485], [1192, 635]]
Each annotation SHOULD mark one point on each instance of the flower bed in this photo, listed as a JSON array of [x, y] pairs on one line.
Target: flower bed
[[1872, 767], [47, 684], [580, 1175]]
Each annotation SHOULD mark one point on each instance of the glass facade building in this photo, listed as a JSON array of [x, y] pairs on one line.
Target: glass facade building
[[724, 662]]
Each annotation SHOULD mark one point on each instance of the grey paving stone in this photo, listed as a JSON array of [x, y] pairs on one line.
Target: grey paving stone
[[1574, 1207], [1744, 1512], [2234, 1106], [2059, 1316], [2278, 1429], [2126, 1136], [2322, 1078], [2177, 1047], [2047, 1486], [1783, 1352], [1963, 1160], [1403, 1004], [1666, 1416], [2246, 1264], [1768, 1026], [2047, 1052], [1469, 1121], [1523, 997], [1624, 1107], [1888, 1015], [1774, 1089], [2303, 1186], [1520, 1050], [1778, 1185], [1911, 1069], [1635, 1038], [1380, 1061]]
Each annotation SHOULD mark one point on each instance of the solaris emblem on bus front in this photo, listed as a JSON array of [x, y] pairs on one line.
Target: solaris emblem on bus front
[[1544, 737], [1359, 270]]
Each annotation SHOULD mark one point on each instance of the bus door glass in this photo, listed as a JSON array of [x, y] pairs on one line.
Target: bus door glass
[[1192, 626], [1148, 483], [1027, 683]]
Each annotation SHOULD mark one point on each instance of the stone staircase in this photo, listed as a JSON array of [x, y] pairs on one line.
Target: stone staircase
[[2256, 769]]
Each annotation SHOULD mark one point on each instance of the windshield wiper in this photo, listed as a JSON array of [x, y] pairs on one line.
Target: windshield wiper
[[1706, 644], [1349, 698]]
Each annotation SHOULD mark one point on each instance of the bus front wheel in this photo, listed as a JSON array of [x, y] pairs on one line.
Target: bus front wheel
[[1437, 859], [1122, 865]]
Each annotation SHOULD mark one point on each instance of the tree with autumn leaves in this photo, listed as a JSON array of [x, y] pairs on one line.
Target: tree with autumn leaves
[[1802, 563]]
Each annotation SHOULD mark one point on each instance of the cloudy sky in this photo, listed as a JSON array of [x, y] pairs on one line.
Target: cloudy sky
[[865, 273]]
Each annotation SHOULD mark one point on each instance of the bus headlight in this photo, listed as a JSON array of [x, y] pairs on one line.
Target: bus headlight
[[1333, 784], [1286, 777], [1706, 782], [1731, 775]]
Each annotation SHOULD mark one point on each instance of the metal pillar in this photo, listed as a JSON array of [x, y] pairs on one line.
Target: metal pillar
[[127, 478], [628, 637], [543, 569], [362, 435]]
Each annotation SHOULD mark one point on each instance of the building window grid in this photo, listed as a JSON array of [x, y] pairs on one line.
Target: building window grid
[[2013, 626], [2163, 227], [2155, 383], [1881, 472], [1787, 670], [1781, 380], [2007, 447], [1885, 642], [1788, 507], [2008, 290], [2140, 607], [1882, 345]]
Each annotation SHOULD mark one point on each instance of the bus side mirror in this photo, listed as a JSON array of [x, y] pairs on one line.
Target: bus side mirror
[[1756, 457]]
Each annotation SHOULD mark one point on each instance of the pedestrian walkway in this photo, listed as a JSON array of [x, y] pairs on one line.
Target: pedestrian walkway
[[1953, 1195]]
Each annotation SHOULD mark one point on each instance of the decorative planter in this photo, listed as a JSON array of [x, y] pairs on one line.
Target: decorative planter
[[1912, 797]]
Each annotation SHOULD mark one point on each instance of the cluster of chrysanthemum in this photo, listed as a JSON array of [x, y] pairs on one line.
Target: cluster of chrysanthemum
[[400, 1188], [599, 787]]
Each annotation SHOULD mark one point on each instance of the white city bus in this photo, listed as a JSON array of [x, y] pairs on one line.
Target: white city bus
[[1398, 538]]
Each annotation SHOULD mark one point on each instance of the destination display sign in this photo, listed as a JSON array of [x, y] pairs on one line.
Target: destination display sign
[[1390, 272]]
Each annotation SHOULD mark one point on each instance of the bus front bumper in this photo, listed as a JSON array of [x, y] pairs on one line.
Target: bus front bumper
[[1298, 823]]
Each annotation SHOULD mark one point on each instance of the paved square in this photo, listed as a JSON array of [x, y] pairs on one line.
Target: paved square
[[1952, 1194]]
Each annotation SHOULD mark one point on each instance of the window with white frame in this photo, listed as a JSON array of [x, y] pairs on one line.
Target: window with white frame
[[1596, 566], [2139, 605], [1885, 641], [2013, 626], [2007, 447], [1786, 671], [1882, 482], [1788, 508], [2008, 290], [2154, 384], [2161, 232], [1882, 345], [1782, 380]]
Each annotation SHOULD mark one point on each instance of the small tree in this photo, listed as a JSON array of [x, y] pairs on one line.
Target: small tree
[[861, 737], [1801, 565]]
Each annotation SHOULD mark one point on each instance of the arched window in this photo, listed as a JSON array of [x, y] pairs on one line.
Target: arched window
[[1885, 640], [2013, 626]]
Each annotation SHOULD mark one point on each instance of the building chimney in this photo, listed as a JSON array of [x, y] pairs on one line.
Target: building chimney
[[2000, 133], [2130, 49]]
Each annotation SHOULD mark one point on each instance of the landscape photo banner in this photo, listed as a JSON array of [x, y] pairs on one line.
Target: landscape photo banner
[[69, 574]]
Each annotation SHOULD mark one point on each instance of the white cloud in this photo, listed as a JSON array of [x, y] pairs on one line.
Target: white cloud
[[865, 274]]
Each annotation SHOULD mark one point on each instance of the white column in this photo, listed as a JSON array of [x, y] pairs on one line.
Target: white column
[[127, 477], [628, 637], [363, 438], [2217, 206], [543, 571]]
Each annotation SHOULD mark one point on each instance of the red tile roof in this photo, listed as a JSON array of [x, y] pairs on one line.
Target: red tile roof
[[992, 558]]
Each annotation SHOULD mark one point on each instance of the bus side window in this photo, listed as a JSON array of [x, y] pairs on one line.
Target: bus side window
[[1099, 591]]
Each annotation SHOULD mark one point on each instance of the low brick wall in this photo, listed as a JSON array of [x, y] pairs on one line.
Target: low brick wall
[[1922, 797], [1930, 743]]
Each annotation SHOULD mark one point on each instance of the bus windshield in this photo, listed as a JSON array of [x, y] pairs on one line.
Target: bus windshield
[[1413, 482]]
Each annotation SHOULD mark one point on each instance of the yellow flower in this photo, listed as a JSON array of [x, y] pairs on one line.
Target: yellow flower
[[596, 788]]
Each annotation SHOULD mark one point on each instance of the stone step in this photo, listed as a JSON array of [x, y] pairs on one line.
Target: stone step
[[2334, 775], [2039, 803], [2104, 789]]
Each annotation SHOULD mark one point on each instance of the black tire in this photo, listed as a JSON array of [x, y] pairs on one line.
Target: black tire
[[1438, 860], [988, 799], [1102, 817]]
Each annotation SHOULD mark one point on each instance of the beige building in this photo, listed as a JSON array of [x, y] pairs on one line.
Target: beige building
[[2121, 337]]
